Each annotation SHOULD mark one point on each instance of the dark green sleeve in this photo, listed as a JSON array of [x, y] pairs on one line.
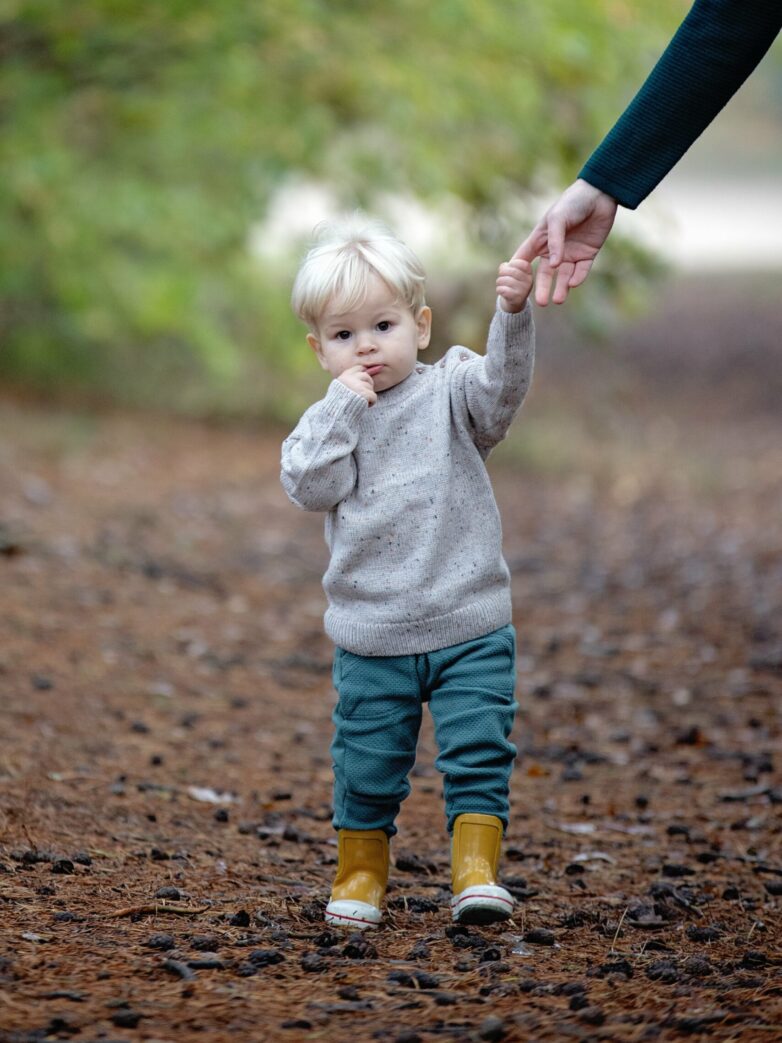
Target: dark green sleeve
[[714, 50]]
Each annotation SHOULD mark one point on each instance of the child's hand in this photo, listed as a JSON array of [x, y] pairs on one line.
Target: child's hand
[[514, 284], [357, 379]]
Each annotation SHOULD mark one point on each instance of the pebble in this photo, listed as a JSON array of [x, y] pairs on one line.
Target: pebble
[[205, 942], [698, 966], [414, 904], [492, 1029], [675, 869], [540, 936], [571, 988], [426, 981], [169, 892], [662, 970], [63, 866], [358, 948], [612, 967], [312, 962], [592, 1015], [704, 934], [240, 919], [126, 1019], [160, 941], [328, 939], [265, 957]]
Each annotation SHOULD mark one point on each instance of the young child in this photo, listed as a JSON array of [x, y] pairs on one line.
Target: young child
[[418, 591]]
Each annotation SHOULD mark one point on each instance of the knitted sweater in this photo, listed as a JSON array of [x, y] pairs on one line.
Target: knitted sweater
[[714, 50], [412, 525]]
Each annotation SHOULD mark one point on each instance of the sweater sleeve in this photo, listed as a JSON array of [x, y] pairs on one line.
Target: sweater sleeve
[[318, 469], [488, 390], [714, 50]]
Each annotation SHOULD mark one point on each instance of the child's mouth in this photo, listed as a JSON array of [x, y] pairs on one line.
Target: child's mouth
[[373, 370]]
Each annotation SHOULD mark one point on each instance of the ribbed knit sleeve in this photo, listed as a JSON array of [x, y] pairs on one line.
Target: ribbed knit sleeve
[[714, 50], [317, 468], [489, 389]]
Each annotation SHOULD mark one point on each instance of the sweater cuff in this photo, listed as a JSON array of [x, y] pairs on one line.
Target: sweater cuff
[[623, 194], [515, 322], [342, 403]]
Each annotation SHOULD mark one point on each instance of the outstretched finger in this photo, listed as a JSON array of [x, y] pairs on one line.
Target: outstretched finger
[[556, 238], [564, 273], [580, 272], [533, 246], [543, 279]]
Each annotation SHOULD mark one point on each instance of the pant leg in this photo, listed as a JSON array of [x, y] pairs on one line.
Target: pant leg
[[473, 706], [376, 721]]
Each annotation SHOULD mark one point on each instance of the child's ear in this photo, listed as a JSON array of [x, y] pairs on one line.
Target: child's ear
[[424, 325], [314, 343]]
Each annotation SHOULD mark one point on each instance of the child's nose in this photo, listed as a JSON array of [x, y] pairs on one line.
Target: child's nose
[[366, 343]]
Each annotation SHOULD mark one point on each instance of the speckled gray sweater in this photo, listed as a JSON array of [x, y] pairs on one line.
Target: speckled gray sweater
[[412, 524]]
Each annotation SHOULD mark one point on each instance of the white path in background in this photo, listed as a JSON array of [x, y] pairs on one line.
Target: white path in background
[[697, 224], [712, 225]]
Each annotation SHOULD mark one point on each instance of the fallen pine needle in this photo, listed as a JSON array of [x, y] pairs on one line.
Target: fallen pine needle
[[161, 907]]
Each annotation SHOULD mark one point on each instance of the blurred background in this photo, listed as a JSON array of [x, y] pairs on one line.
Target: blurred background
[[164, 163]]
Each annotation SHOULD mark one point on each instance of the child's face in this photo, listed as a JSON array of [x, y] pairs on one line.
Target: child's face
[[382, 335]]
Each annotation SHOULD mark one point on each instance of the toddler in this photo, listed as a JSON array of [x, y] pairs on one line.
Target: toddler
[[418, 591]]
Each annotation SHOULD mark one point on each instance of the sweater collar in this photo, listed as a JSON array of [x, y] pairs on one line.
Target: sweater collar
[[403, 389]]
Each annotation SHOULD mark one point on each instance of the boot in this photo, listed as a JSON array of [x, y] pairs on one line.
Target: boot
[[475, 853], [362, 876]]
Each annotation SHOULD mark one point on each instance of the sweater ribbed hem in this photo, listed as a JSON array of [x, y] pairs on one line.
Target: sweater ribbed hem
[[418, 636]]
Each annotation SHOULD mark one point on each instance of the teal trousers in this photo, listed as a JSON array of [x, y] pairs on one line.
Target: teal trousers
[[470, 691]]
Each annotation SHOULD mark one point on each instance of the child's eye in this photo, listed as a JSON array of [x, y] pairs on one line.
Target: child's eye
[[384, 326], [342, 335]]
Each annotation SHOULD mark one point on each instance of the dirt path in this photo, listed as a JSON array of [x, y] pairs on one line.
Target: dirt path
[[162, 649]]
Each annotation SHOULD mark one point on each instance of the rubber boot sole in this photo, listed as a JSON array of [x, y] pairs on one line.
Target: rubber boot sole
[[358, 915], [482, 903]]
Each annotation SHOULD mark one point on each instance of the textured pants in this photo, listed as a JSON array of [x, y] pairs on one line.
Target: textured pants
[[470, 691]]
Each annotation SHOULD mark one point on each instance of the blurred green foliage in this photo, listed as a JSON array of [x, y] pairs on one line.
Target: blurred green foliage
[[142, 140]]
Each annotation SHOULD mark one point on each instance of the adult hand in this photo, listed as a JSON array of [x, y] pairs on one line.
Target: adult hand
[[567, 239]]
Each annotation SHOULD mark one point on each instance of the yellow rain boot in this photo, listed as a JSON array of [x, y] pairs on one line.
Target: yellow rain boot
[[475, 854], [362, 876]]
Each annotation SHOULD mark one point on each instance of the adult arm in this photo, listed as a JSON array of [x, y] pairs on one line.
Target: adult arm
[[714, 50], [318, 469]]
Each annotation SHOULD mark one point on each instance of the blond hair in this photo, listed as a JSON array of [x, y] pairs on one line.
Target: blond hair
[[345, 254]]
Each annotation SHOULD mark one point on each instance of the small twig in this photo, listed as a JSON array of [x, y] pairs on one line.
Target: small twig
[[160, 907], [618, 929]]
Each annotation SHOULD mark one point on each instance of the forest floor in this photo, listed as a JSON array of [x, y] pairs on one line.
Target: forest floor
[[165, 840]]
